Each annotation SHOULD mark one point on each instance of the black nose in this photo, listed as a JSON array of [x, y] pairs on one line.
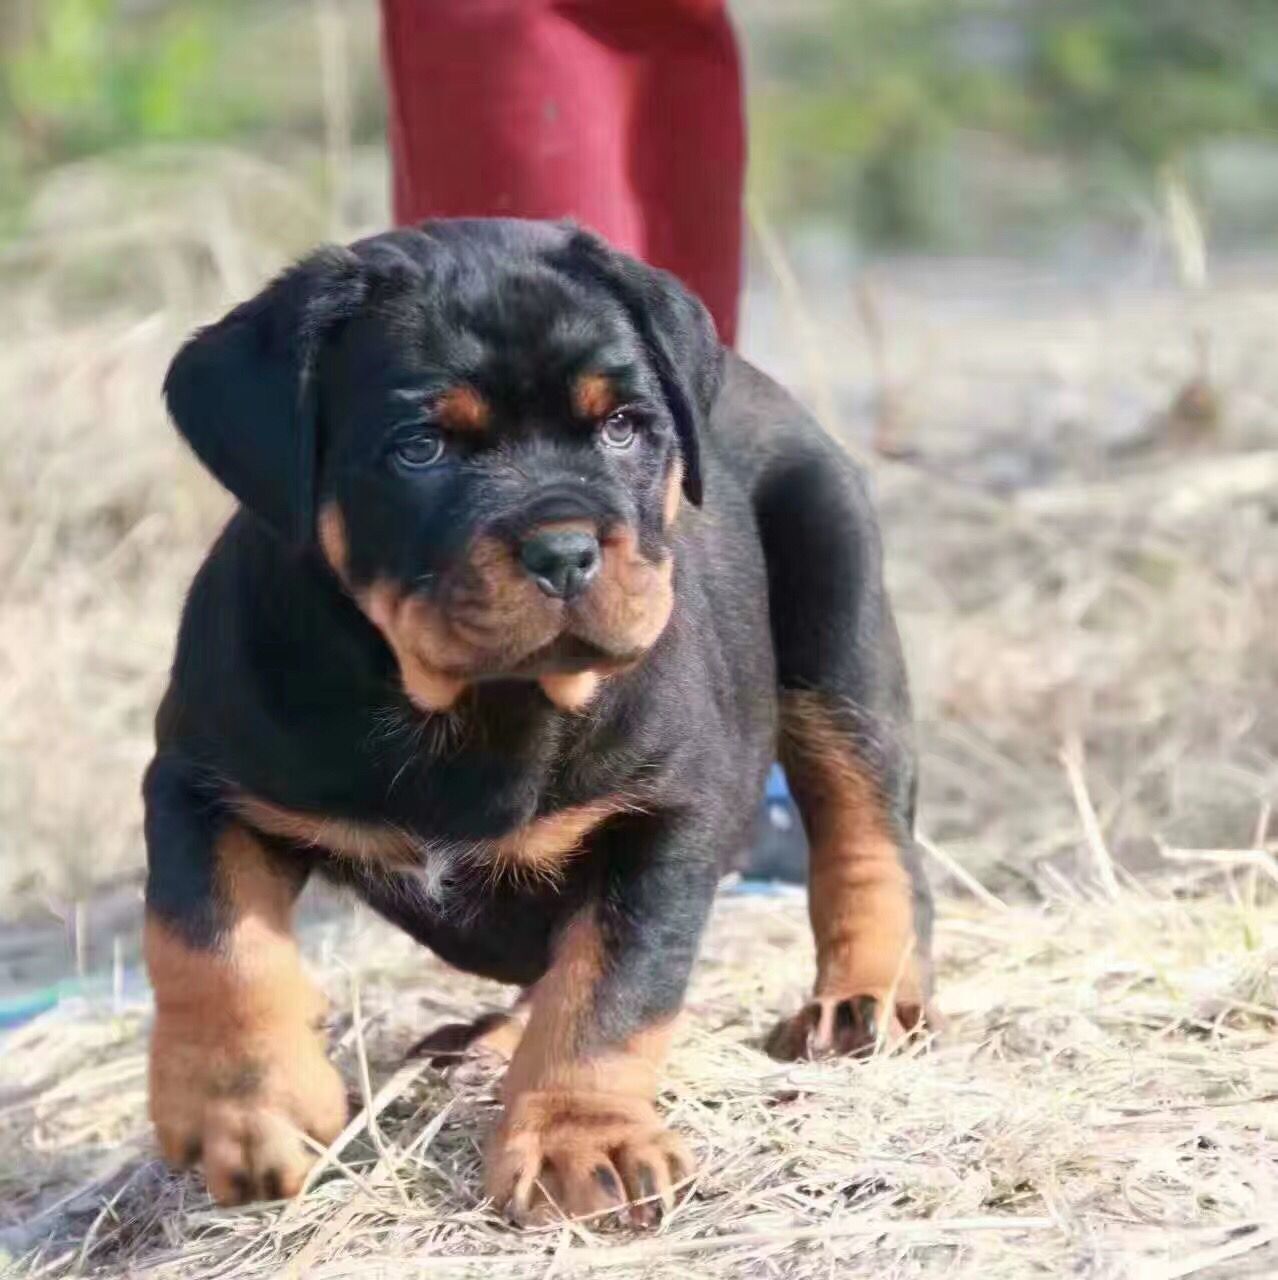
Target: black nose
[[561, 561]]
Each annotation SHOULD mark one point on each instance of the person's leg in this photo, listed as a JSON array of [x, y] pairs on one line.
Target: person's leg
[[687, 148], [623, 114]]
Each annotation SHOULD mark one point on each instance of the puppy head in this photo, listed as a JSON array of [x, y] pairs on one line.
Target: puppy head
[[484, 426]]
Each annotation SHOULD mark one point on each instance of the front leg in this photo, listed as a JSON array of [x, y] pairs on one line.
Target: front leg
[[580, 1132], [238, 1075]]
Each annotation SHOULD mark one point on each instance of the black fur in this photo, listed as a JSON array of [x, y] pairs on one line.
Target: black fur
[[242, 388], [284, 689]]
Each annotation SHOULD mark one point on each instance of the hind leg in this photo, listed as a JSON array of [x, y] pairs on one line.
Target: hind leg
[[847, 748], [866, 896], [475, 1052]]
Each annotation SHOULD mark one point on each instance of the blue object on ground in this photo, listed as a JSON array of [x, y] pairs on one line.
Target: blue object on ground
[[776, 787], [780, 848], [14, 1012]]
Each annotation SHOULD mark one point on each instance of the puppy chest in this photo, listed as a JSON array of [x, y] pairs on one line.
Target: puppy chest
[[536, 849]]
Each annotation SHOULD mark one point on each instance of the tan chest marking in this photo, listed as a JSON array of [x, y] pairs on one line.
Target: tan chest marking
[[345, 837], [537, 850]]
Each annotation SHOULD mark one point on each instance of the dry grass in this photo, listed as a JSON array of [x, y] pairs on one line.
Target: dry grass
[[103, 516], [1119, 593], [1104, 1103], [1086, 584]]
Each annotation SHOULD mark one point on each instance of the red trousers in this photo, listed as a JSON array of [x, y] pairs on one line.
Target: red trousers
[[623, 114]]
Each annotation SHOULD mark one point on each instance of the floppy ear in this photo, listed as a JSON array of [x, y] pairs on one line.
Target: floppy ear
[[241, 390], [679, 336]]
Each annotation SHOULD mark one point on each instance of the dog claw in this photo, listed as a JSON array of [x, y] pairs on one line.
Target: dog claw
[[551, 1163], [851, 1026]]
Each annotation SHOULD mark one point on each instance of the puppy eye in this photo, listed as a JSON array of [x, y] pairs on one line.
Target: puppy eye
[[419, 451], [617, 431]]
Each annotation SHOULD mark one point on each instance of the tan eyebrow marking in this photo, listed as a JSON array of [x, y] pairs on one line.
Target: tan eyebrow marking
[[594, 396], [462, 408]]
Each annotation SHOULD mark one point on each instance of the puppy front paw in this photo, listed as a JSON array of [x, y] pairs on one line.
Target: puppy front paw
[[567, 1153], [239, 1110]]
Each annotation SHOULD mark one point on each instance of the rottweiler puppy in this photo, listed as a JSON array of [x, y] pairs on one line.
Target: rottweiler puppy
[[529, 581]]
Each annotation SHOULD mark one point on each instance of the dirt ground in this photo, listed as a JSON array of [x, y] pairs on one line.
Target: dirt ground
[[1077, 470]]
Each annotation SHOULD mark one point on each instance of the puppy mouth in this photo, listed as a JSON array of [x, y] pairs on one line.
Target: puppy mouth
[[489, 620], [564, 652], [570, 654]]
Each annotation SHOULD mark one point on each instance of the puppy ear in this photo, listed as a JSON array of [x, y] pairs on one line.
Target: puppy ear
[[679, 336], [241, 390]]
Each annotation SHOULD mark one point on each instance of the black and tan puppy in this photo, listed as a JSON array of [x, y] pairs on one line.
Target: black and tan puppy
[[530, 580]]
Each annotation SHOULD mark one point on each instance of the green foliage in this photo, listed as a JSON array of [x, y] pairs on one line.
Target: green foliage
[[90, 76], [848, 107], [1151, 78], [853, 106], [83, 77]]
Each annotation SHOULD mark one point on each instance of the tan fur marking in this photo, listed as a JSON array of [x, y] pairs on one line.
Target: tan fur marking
[[237, 1057], [594, 396], [393, 614], [540, 848], [536, 850], [384, 603], [462, 408], [632, 599], [580, 1132], [559, 1001], [859, 893], [492, 617], [495, 616], [572, 692], [361, 841]]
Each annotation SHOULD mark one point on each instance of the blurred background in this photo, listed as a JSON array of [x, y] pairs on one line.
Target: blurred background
[[1019, 254]]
